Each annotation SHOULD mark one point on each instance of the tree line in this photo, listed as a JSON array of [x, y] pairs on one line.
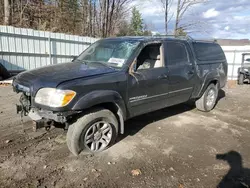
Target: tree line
[[96, 18]]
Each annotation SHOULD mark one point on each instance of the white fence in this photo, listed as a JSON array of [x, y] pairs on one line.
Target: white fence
[[25, 49], [234, 59]]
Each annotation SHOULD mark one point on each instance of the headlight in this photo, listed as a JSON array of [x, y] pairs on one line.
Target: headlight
[[54, 97], [246, 70]]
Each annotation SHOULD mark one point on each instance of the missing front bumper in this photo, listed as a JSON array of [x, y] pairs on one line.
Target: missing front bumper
[[47, 119], [36, 115]]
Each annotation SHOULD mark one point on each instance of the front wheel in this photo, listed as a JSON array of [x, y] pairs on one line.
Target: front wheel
[[93, 132], [208, 100]]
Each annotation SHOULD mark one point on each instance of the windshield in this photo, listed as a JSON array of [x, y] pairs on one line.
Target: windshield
[[108, 53]]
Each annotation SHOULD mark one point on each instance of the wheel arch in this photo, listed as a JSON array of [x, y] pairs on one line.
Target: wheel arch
[[107, 99], [117, 111], [207, 82]]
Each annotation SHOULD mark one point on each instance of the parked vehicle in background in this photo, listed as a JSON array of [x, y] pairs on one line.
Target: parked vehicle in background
[[4, 74], [244, 70], [119, 78]]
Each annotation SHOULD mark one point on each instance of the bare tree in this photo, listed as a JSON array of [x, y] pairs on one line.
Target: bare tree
[[6, 12], [166, 7], [166, 17], [182, 7], [110, 14]]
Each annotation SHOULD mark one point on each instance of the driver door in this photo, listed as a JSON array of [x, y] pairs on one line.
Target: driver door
[[148, 85]]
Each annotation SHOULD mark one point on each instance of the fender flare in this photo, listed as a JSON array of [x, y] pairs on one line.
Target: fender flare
[[100, 97], [210, 77]]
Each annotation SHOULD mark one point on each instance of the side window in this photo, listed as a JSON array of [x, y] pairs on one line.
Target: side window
[[208, 51], [150, 57], [176, 54]]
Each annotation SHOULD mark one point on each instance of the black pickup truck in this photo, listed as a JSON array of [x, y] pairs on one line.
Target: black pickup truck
[[119, 78]]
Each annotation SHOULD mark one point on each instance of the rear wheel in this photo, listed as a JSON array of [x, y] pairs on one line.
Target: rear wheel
[[94, 132], [208, 100], [241, 79]]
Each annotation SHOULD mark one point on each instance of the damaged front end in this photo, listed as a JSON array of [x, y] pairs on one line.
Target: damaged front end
[[25, 100], [24, 107], [41, 118]]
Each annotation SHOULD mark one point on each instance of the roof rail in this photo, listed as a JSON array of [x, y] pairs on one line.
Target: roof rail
[[187, 37], [207, 40]]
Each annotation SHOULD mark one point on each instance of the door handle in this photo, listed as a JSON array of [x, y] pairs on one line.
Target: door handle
[[163, 76]]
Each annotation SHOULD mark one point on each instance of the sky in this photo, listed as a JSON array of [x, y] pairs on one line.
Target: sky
[[214, 19]]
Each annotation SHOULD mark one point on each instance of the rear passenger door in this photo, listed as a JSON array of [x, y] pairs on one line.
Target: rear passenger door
[[181, 72]]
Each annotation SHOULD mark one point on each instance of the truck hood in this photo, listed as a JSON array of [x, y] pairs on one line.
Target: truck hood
[[53, 75]]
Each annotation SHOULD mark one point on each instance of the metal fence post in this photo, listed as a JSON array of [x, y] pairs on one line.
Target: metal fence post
[[49, 40], [232, 76]]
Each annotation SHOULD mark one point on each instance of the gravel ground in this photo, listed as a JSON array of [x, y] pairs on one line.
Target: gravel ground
[[173, 147]]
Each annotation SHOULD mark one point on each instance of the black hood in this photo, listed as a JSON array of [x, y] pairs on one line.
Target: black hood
[[53, 75]]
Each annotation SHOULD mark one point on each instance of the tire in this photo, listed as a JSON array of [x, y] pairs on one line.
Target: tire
[[241, 79], [203, 103], [93, 124], [4, 74]]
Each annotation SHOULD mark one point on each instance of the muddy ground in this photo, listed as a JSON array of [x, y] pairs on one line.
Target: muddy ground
[[174, 147]]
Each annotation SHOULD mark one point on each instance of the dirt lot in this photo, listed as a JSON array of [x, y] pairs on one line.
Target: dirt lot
[[174, 147]]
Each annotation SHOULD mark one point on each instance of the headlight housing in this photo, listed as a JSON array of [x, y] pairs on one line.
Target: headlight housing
[[246, 70], [54, 97]]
